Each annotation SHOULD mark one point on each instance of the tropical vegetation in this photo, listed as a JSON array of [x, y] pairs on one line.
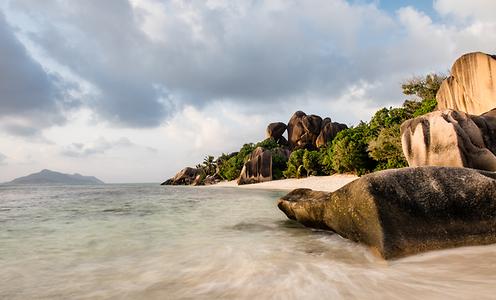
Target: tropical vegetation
[[367, 147]]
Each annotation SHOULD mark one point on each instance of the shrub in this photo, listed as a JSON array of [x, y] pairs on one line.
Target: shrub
[[386, 149], [375, 145], [426, 106], [325, 159], [311, 163], [423, 87], [349, 151], [279, 164], [295, 164], [230, 167], [267, 144]]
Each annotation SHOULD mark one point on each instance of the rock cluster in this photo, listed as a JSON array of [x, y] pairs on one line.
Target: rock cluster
[[405, 211], [463, 132], [471, 88], [186, 176], [451, 138], [328, 132], [303, 130], [276, 131], [258, 167], [448, 196], [306, 131]]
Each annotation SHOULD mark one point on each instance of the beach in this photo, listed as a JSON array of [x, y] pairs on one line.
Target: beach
[[318, 183]]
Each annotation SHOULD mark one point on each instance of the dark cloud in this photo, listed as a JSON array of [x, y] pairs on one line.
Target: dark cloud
[[24, 85], [21, 130], [246, 52], [100, 146], [100, 42], [145, 60], [30, 98]]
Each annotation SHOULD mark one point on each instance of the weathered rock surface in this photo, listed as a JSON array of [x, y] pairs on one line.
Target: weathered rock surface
[[212, 179], [451, 138], [258, 167], [471, 88], [276, 131], [310, 131], [303, 130], [187, 176], [328, 132], [405, 211]]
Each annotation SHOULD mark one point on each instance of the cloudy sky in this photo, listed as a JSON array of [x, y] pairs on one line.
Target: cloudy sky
[[133, 90]]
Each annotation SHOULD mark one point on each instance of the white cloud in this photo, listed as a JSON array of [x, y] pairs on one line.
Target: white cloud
[[185, 79], [477, 10]]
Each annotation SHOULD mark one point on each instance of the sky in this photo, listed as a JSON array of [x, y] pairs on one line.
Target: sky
[[135, 90]]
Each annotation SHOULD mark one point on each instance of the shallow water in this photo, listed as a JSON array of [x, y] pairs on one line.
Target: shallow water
[[153, 242]]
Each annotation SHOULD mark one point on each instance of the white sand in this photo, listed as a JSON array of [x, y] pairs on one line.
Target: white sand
[[318, 183]]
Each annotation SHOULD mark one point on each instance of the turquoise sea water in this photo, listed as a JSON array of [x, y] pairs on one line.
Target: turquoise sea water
[[154, 242]]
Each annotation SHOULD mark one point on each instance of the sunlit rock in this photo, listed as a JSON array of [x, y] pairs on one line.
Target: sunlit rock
[[471, 88], [451, 138]]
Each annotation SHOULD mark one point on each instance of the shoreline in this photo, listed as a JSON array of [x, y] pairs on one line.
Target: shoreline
[[317, 183]]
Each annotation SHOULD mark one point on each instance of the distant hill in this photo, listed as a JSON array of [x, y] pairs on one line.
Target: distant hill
[[46, 177]]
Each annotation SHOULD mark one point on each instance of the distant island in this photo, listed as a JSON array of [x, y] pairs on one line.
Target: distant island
[[46, 177]]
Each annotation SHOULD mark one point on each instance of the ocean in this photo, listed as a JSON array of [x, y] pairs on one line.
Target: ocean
[[145, 241]]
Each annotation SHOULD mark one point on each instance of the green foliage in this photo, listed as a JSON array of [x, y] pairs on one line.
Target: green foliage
[[279, 164], [349, 151], [227, 167], [423, 88], [426, 106], [312, 163], [209, 166], [411, 106], [384, 139], [303, 162], [368, 147], [230, 166], [325, 158], [386, 149], [268, 144], [244, 152], [294, 163], [384, 118]]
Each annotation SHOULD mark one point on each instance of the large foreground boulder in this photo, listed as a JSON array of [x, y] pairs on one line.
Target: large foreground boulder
[[451, 138], [401, 212], [187, 176], [471, 88]]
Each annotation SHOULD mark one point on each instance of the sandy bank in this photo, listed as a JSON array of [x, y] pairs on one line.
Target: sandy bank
[[319, 183]]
